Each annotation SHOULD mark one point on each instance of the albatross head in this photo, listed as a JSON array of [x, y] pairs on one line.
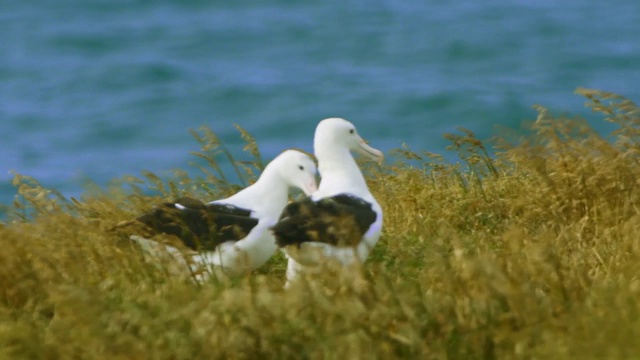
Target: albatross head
[[298, 170], [337, 132]]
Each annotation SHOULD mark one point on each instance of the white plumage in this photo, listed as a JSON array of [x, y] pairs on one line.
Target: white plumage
[[256, 207], [342, 200]]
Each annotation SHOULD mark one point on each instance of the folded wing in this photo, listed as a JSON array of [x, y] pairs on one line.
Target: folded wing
[[340, 220], [198, 225]]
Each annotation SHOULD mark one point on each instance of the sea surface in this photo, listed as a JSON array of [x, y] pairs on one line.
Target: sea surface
[[98, 89]]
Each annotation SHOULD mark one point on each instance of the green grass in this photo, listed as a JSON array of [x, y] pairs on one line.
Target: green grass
[[530, 252]]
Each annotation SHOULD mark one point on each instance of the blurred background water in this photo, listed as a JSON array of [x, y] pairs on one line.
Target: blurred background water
[[99, 89]]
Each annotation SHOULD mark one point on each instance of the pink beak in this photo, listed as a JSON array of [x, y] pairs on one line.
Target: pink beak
[[310, 187], [368, 151]]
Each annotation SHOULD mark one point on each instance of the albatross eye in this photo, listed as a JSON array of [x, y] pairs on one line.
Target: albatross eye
[[351, 131], [300, 167]]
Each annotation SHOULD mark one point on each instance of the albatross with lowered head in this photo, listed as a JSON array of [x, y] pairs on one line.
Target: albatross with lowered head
[[230, 234]]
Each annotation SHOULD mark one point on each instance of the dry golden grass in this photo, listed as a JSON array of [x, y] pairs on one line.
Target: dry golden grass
[[531, 253]]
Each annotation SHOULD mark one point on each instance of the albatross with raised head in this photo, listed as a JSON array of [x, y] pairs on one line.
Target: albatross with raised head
[[342, 220]]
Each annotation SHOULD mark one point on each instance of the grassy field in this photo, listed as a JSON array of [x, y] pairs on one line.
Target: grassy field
[[529, 249]]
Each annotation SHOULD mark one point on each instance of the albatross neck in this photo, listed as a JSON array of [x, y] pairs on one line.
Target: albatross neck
[[273, 189], [267, 196], [339, 171]]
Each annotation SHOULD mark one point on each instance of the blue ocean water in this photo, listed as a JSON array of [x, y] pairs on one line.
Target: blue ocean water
[[100, 89]]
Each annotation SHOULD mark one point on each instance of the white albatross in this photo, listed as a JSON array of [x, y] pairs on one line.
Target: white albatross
[[341, 221], [230, 234]]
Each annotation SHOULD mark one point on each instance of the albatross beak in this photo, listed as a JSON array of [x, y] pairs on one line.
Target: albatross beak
[[366, 150], [310, 187]]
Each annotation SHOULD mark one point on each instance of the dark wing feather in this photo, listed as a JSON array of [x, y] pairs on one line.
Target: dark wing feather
[[340, 220], [200, 226]]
